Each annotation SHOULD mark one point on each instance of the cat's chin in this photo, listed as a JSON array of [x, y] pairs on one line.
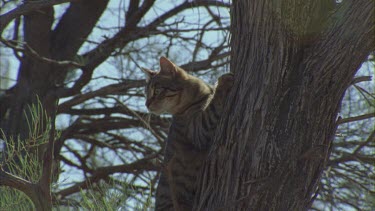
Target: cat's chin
[[157, 109], [156, 112]]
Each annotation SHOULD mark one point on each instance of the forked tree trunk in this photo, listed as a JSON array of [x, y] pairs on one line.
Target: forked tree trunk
[[293, 61]]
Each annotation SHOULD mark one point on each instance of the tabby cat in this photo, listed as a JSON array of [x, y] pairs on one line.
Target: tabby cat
[[196, 108]]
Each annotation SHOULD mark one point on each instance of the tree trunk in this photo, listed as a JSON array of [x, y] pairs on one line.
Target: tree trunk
[[293, 61]]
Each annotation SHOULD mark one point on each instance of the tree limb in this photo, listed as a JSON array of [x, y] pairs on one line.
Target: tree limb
[[29, 51], [100, 173], [130, 33], [25, 8], [343, 30], [204, 64], [74, 26], [361, 79], [107, 90], [45, 180], [356, 118], [29, 189], [10, 180]]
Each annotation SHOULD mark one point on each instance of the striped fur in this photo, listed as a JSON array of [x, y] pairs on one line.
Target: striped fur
[[196, 109]]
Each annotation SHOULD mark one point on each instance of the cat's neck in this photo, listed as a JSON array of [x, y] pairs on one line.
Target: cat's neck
[[197, 106]]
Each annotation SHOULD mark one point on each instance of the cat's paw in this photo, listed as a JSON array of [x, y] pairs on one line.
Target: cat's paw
[[225, 82], [224, 85]]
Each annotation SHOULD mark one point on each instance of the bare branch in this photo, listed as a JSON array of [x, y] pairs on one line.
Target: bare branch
[[31, 52], [356, 118], [25, 8], [204, 64], [361, 79], [103, 173], [184, 6], [370, 139], [128, 34], [46, 177], [74, 27], [135, 14], [107, 90]]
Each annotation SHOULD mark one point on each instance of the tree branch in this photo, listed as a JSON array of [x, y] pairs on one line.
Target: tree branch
[[131, 32], [361, 79], [29, 51], [204, 64], [74, 26], [25, 8], [29, 189], [100, 173], [183, 6], [15, 182], [132, 8], [136, 13], [356, 118], [119, 88], [48, 158], [343, 30]]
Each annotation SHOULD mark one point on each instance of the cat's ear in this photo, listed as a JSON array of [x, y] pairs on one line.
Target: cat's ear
[[171, 70], [167, 67], [149, 73]]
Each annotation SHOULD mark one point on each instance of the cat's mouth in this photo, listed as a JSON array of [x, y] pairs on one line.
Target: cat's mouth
[[153, 108]]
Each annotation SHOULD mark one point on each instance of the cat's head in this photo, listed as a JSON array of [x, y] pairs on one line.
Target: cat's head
[[171, 90]]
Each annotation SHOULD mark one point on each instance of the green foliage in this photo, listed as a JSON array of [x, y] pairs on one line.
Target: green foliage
[[11, 199], [107, 196], [24, 157]]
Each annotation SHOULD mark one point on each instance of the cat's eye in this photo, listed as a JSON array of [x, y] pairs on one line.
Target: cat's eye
[[157, 91]]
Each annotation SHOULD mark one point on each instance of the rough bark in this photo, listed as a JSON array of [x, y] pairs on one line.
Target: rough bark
[[293, 61]]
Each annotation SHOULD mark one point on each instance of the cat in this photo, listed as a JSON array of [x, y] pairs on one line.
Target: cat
[[196, 108]]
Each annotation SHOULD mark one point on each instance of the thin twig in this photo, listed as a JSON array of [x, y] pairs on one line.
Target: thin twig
[[31, 52]]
